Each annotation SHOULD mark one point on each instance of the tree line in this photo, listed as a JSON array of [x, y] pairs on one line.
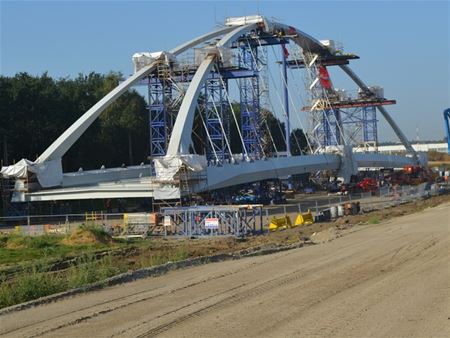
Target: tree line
[[35, 110]]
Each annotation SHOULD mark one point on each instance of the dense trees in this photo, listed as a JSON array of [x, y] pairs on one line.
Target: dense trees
[[35, 110]]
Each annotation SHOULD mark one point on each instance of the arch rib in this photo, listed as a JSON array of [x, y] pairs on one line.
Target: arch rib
[[303, 40], [63, 143], [180, 139], [205, 37], [66, 140]]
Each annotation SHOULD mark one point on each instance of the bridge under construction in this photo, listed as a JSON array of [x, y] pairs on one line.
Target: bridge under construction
[[256, 64]]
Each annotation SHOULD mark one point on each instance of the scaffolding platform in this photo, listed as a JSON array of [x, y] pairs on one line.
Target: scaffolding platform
[[326, 60], [357, 103]]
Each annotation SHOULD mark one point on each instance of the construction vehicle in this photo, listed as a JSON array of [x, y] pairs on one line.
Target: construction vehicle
[[416, 174], [367, 185], [356, 185], [411, 175]]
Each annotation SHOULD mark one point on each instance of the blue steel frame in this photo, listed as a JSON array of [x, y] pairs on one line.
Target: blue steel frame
[[158, 95], [447, 127], [366, 118], [369, 120], [249, 103], [216, 111], [328, 128]]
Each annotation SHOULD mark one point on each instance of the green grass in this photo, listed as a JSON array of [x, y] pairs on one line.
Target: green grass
[[97, 230], [34, 256], [174, 255], [374, 220], [16, 249], [37, 281]]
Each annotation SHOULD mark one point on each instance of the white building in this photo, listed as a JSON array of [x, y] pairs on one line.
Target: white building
[[419, 147]]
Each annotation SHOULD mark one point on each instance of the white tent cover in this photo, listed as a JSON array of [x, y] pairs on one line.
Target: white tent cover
[[48, 173], [166, 167]]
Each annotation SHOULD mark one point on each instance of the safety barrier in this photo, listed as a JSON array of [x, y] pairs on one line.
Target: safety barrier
[[44, 229], [93, 216], [304, 219], [280, 223], [134, 225]]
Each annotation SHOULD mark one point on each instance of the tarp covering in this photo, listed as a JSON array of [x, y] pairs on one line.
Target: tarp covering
[[18, 170], [243, 20], [166, 193], [140, 60], [48, 173], [166, 167]]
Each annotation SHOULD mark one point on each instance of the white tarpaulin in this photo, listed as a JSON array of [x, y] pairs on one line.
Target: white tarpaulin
[[48, 173], [166, 193], [243, 20], [140, 60], [18, 170], [166, 167]]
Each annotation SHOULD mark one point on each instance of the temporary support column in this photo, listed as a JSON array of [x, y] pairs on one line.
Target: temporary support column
[[158, 97], [249, 96], [217, 120], [370, 134], [324, 130]]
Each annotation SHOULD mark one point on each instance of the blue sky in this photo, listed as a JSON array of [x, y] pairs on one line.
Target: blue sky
[[404, 45]]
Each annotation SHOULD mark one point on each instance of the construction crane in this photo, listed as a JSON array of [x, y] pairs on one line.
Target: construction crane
[[447, 127]]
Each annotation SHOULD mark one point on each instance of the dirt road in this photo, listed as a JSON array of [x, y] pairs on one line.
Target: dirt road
[[385, 280]]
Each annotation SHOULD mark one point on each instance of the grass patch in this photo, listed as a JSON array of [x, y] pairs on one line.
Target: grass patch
[[38, 254], [16, 248], [37, 281], [373, 220], [162, 257]]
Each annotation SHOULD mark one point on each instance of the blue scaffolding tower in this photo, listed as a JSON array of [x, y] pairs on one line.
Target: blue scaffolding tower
[[327, 133], [159, 94], [249, 103], [369, 120], [217, 119], [362, 122]]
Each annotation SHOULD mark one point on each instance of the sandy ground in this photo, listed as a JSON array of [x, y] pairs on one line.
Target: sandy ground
[[382, 280]]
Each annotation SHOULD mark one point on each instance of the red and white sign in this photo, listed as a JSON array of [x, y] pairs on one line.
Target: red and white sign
[[211, 223]]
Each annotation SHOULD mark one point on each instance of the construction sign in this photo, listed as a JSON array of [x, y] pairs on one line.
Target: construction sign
[[211, 223]]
